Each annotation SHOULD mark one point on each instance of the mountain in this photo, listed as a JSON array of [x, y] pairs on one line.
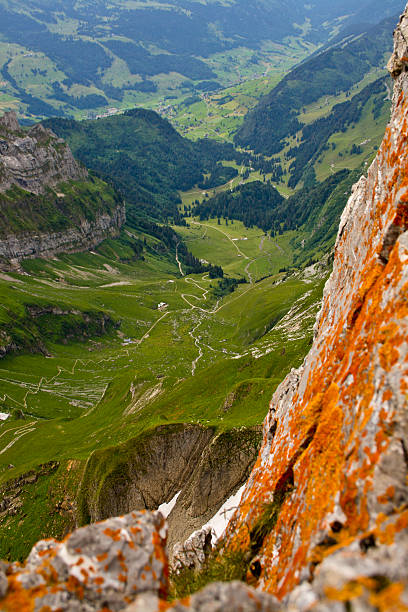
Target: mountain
[[278, 116], [107, 351], [146, 159], [92, 55], [322, 522], [48, 202]]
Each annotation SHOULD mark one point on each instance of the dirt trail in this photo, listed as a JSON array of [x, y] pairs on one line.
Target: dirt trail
[[240, 253], [178, 261]]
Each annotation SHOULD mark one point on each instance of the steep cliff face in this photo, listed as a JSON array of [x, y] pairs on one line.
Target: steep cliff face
[[35, 159], [87, 234], [200, 465], [332, 472], [48, 202]]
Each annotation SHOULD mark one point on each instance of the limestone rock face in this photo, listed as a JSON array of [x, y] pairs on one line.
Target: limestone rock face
[[193, 553], [102, 566], [40, 164], [331, 477], [35, 159], [86, 235]]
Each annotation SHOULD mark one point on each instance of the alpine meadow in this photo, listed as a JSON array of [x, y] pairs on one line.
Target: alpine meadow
[[203, 306]]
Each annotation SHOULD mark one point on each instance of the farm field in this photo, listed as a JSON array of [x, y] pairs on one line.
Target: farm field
[[218, 114], [246, 73]]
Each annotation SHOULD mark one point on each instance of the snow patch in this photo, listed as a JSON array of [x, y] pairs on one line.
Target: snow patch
[[166, 508], [219, 521]]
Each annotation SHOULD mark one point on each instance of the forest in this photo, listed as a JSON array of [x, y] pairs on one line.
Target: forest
[[260, 204], [276, 117], [146, 160]]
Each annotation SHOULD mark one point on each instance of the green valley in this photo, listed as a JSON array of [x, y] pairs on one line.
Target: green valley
[[154, 293], [92, 388]]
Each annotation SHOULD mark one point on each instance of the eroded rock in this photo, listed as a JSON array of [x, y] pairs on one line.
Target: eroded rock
[[35, 159], [193, 553], [104, 565]]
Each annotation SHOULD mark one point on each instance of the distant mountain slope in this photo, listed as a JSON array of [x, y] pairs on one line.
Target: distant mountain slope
[[147, 160], [334, 133], [58, 58], [48, 202], [277, 116], [312, 212]]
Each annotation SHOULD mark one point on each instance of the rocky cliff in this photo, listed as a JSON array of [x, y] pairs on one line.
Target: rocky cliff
[[48, 202], [327, 502], [34, 159], [323, 520], [87, 234]]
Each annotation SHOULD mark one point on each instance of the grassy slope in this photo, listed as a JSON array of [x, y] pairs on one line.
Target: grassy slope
[[21, 211], [367, 134], [100, 392]]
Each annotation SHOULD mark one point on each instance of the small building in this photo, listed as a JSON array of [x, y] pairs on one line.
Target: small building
[[162, 306]]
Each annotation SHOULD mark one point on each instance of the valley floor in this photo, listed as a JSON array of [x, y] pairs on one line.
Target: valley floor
[[201, 358]]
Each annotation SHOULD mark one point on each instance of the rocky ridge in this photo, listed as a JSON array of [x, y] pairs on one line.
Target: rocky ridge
[[35, 159], [332, 471], [86, 235], [38, 176]]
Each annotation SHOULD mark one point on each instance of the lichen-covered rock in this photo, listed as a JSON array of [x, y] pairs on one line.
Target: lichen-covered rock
[[216, 597], [147, 602], [369, 579], [332, 471], [223, 596], [102, 566]]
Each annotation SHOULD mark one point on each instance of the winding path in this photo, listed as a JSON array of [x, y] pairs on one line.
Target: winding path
[[45, 384], [240, 253]]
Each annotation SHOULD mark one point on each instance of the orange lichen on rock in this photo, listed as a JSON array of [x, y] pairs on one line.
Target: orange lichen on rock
[[92, 567], [338, 421]]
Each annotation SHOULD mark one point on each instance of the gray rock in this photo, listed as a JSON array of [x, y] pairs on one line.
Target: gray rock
[[222, 468], [9, 121], [301, 599], [36, 159], [3, 583], [144, 603], [194, 552], [228, 596], [86, 235]]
